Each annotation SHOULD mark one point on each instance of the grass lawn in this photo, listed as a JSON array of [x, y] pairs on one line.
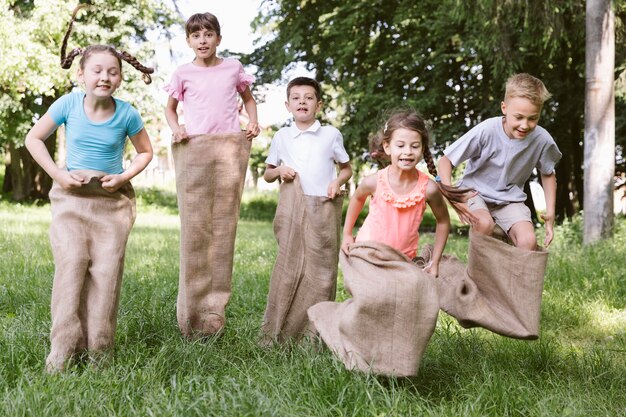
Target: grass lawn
[[576, 368]]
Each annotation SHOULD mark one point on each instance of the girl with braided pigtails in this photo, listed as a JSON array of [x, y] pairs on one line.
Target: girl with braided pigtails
[[92, 200], [400, 192]]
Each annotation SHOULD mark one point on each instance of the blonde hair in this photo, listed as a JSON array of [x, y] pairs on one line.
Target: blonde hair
[[527, 86]]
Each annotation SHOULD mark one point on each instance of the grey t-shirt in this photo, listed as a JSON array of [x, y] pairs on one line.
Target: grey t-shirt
[[497, 166]]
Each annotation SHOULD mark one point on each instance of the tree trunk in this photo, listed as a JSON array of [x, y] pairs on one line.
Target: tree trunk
[[24, 177], [599, 120]]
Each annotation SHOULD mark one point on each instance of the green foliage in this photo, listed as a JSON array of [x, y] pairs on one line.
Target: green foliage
[[576, 368], [446, 59], [30, 41], [259, 207]]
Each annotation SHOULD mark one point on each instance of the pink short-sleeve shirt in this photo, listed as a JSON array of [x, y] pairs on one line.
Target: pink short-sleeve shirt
[[395, 219], [209, 95]]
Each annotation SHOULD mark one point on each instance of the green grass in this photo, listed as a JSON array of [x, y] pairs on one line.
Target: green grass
[[576, 368]]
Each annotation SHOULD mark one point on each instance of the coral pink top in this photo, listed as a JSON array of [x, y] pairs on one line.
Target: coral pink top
[[209, 95], [395, 219]]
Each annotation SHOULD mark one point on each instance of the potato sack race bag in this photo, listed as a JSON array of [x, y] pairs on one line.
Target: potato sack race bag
[[210, 174], [307, 229], [499, 290], [88, 234], [386, 325]]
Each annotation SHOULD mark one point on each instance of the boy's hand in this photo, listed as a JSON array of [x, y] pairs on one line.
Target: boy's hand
[[68, 180], [347, 241], [334, 189], [252, 130], [179, 135], [112, 182], [286, 173], [549, 220]]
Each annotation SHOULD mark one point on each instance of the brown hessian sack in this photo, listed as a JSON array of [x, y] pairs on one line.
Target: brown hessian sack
[[386, 325], [88, 234], [499, 290], [210, 174], [307, 230]]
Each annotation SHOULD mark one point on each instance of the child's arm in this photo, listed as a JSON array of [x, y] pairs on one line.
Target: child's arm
[[364, 190], [548, 182], [273, 172], [252, 129], [345, 172], [171, 115], [141, 142], [35, 145], [440, 210]]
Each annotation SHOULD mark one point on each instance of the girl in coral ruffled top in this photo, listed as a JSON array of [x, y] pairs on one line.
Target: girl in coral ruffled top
[[399, 193]]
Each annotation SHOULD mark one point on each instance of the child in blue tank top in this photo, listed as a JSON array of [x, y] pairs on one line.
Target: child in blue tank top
[[92, 200]]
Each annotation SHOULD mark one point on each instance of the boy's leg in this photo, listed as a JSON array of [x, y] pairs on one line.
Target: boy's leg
[[485, 223], [514, 218]]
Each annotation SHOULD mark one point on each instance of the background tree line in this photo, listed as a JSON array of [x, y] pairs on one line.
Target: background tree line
[[447, 58], [31, 77]]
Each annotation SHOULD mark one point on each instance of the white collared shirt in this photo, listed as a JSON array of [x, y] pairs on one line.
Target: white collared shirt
[[312, 153]]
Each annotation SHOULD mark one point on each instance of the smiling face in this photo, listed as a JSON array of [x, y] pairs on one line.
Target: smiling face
[[404, 148], [521, 117], [303, 104], [204, 43], [101, 74]]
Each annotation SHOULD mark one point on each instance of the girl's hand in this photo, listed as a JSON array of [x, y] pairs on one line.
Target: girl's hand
[[432, 269], [68, 180], [286, 173], [179, 135], [252, 130], [112, 182], [347, 241]]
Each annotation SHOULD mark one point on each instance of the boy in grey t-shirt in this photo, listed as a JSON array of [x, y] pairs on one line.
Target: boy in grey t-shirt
[[501, 153]]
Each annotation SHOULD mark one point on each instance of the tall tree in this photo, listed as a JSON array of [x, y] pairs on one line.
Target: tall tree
[[31, 77], [447, 60], [599, 120]]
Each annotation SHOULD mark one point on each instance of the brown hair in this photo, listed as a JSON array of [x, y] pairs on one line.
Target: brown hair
[[527, 86], [305, 81], [201, 21], [410, 119], [67, 59]]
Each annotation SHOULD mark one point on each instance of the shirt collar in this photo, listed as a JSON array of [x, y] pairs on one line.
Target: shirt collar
[[295, 132]]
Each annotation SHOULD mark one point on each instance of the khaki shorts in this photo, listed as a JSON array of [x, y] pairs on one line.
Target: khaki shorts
[[505, 216]]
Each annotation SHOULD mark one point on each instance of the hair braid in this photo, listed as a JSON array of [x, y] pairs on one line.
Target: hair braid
[[66, 61], [137, 65]]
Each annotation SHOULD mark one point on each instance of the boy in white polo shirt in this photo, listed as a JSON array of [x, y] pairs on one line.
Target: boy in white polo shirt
[[307, 224]]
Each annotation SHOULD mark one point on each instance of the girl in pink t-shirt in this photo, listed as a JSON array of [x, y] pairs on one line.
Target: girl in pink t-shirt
[[208, 87], [399, 192]]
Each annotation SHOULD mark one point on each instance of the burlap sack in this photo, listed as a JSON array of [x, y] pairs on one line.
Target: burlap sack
[[500, 289], [385, 327], [307, 229], [210, 173], [88, 234]]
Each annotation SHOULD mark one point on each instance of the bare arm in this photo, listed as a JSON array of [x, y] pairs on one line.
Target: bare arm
[[548, 182], [171, 116], [273, 172], [440, 210], [35, 138], [252, 130], [141, 142], [357, 202], [345, 172]]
